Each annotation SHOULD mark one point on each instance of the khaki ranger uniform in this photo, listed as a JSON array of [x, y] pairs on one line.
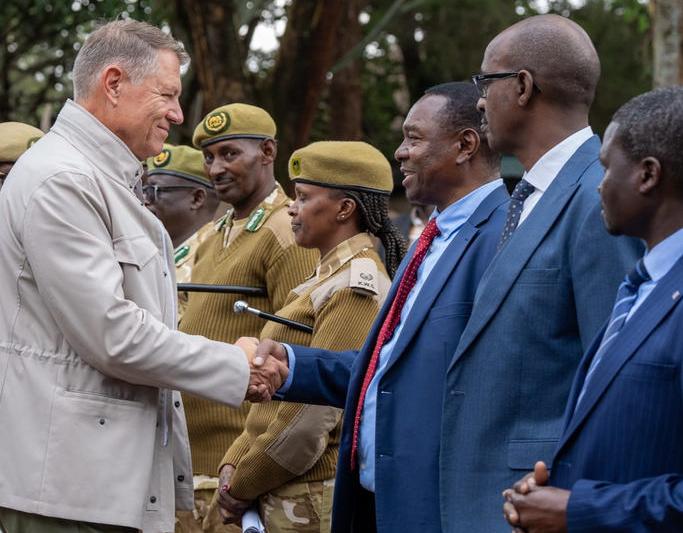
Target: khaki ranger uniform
[[256, 251], [287, 454]]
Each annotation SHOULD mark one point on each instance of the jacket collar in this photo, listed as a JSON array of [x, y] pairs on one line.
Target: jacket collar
[[98, 144]]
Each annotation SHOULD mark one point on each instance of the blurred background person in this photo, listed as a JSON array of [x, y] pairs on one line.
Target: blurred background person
[[178, 191], [15, 139]]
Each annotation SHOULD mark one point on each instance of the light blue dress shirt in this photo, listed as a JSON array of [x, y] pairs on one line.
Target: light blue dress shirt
[[658, 262], [449, 223]]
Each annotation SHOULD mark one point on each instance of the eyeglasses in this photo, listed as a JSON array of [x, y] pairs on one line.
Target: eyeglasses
[[151, 192], [482, 81]]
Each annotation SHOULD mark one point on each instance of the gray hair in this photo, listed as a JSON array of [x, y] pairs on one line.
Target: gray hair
[[132, 44]]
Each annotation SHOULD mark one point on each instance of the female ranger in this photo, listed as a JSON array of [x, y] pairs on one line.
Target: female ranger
[[284, 461]]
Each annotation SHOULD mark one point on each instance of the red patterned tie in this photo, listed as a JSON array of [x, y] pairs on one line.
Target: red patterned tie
[[391, 321]]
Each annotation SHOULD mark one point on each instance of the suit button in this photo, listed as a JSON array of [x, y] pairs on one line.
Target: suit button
[[153, 499], [102, 421], [176, 403], [181, 478]]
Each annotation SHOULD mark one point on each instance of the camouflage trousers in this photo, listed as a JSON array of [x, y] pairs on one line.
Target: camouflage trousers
[[298, 507], [204, 518]]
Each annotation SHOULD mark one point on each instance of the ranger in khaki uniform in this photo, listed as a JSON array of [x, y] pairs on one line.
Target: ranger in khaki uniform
[[181, 195], [252, 245], [15, 139], [285, 459]]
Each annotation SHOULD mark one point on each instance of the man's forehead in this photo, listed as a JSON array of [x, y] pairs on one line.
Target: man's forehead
[[231, 144], [423, 110]]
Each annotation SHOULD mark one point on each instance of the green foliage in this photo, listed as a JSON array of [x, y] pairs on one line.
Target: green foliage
[[619, 30], [39, 43]]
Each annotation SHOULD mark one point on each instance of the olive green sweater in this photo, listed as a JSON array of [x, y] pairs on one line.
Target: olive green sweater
[[259, 252], [290, 442]]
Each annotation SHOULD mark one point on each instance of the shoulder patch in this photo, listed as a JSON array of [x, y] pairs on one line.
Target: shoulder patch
[[364, 276]]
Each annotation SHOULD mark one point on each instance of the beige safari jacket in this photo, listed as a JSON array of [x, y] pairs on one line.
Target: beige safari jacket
[[89, 428]]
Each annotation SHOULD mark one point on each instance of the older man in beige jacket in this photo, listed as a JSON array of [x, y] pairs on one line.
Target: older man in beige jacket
[[93, 438]]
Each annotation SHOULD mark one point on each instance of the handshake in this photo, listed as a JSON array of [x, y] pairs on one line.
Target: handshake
[[268, 363]]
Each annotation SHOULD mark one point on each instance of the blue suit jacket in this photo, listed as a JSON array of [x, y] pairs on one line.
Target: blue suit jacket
[[410, 393], [621, 452], [537, 308]]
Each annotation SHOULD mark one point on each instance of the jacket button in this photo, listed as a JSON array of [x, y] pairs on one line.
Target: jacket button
[[176, 403], [181, 478], [153, 499], [102, 421]]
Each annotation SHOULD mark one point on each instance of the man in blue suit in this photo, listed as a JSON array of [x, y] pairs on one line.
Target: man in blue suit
[[550, 287], [393, 482], [619, 463]]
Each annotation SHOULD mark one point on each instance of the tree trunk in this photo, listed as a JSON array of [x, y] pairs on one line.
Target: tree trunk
[[307, 50], [218, 55], [346, 93], [668, 42]]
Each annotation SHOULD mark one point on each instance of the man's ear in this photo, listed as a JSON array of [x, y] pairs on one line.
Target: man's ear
[[525, 87], [467, 145], [112, 79], [650, 175], [198, 198], [269, 151]]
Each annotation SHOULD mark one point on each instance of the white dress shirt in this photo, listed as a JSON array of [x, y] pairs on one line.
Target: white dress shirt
[[546, 169]]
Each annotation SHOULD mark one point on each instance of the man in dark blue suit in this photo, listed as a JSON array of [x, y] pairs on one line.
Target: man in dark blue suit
[[550, 287], [619, 463], [391, 482]]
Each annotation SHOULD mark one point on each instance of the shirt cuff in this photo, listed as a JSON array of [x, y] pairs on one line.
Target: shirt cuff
[[280, 393]]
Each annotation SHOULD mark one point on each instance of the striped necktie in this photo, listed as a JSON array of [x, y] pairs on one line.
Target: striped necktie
[[626, 297], [520, 193]]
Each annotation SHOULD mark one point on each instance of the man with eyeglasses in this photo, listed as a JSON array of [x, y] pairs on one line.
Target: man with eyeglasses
[[251, 245], [180, 194], [15, 139], [551, 285]]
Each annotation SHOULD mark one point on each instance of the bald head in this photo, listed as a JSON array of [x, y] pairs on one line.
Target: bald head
[[558, 53]]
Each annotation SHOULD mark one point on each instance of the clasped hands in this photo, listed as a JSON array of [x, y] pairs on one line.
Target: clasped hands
[[533, 507], [268, 365]]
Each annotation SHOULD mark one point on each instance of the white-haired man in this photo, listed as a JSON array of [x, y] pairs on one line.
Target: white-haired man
[[94, 439]]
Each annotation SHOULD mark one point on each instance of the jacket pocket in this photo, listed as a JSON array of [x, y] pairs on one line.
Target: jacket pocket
[[136, 251], [99, 453], [649, 371], [523, 454], [539, 276], [449, 310]]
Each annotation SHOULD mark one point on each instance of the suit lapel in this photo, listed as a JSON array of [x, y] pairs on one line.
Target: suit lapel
[[646, 318], [508, 264], [445, 268]]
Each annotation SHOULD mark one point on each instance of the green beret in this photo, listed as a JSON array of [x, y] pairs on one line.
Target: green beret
[[15, 139], [234, 121], [343, 165], [180, 161]]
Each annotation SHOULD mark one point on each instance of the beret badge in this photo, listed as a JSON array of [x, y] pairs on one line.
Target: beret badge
[[216, 122], [296, 166], [31, 142], [163, 158]]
